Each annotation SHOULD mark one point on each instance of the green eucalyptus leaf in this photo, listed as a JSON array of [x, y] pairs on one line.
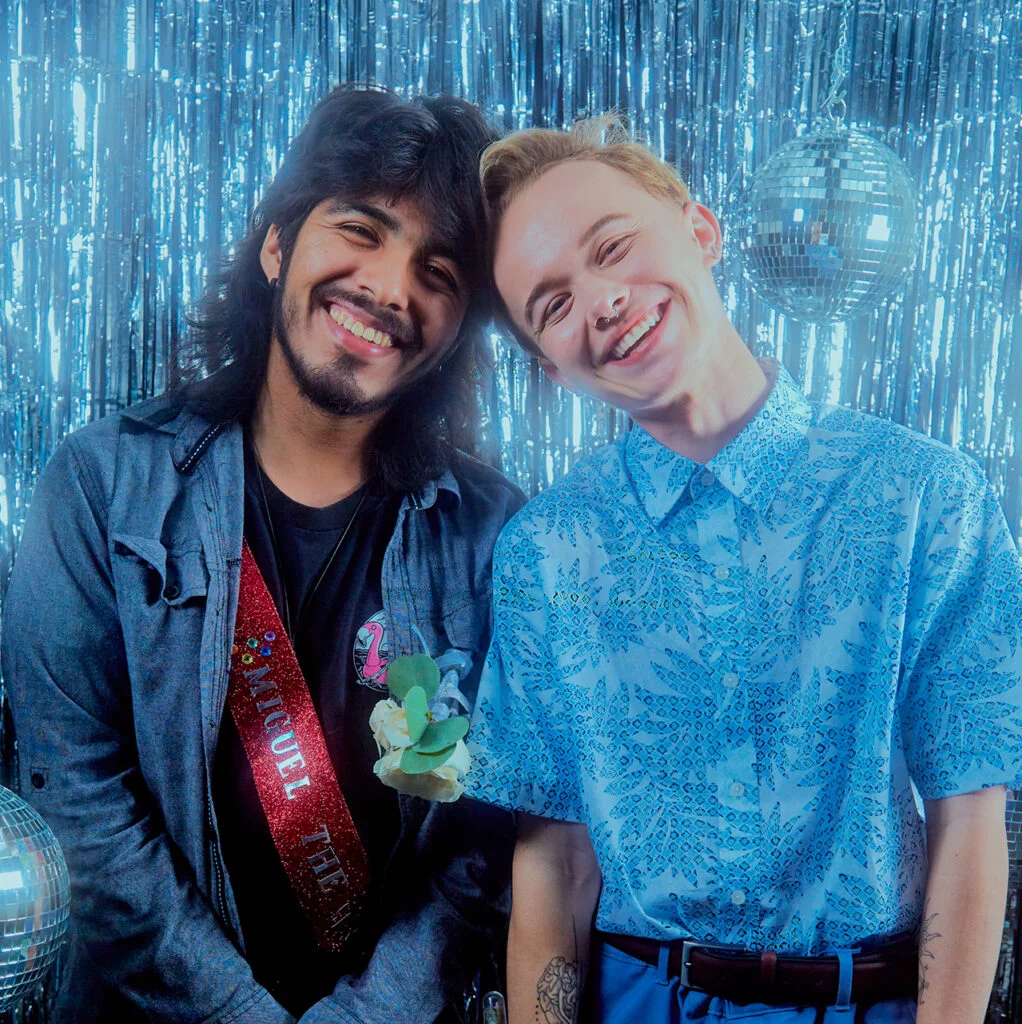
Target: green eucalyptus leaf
[[440, 735], [413, 670], [415, 712], [415, 763]]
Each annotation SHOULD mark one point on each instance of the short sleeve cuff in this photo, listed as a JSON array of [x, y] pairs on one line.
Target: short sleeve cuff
[[936, 785], [494, 782]]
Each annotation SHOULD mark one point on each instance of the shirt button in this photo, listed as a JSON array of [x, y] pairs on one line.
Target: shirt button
[[171, 590], [707, 479], [737, 789], [738, 897], [730, 679], [722, 572]]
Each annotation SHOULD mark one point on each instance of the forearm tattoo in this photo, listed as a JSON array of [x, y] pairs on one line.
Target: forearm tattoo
[[557, 994], [927, 933]]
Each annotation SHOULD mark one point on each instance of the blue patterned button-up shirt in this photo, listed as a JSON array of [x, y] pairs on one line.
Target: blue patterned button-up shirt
[[734, 673]]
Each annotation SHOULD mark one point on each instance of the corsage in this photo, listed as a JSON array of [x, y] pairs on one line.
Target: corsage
[[417, 730]]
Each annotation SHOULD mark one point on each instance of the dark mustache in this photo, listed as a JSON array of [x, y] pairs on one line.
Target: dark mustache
[[406, 335]]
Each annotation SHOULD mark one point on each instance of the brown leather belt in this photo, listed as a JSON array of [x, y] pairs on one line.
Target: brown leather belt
[[778, 979]]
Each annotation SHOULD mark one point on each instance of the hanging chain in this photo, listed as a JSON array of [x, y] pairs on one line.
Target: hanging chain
[[834, 106]]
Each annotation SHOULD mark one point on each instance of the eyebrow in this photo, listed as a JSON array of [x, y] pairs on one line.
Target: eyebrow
[[390, 222], [548, 283], [434, 245]]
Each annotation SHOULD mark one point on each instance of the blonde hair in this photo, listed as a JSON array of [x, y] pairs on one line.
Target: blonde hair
[[509, 165], [513, 163]]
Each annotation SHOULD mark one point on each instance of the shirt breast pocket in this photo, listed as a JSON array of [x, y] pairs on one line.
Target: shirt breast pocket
[[167, 575]]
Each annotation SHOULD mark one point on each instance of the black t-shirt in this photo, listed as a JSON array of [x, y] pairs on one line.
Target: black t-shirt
[[340, 641]]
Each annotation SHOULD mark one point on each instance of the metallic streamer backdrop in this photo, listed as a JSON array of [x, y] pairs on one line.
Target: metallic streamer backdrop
[[136, 136]]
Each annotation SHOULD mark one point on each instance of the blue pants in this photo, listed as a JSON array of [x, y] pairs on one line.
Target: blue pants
[[632, 992]]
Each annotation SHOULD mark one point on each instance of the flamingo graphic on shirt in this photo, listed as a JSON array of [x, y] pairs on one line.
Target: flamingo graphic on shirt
[[370, 652]]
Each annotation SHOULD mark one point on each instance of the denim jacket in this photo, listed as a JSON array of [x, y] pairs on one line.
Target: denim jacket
[[116, 641]]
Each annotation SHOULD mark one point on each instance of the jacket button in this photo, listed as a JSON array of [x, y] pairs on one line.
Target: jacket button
[[38, 780], [171, 590]]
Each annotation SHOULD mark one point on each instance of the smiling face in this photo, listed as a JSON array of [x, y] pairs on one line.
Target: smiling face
[[612, 284], [367, 302]]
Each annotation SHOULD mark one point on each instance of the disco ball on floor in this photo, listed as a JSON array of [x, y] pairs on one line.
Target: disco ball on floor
[[34, 898], [826, 228]]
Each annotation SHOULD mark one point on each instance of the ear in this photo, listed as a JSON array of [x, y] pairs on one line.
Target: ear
[[706, 231], [269, 254]]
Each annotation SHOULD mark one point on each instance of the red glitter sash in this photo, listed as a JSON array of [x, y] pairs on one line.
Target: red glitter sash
[[309, 820]]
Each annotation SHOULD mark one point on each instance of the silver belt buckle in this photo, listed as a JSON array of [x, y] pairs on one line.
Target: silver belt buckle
[[688, 945]]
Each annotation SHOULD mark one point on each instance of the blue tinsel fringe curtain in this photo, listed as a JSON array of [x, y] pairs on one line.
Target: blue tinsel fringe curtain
[[136, 136]]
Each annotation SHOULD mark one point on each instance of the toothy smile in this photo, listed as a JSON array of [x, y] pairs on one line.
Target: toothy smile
[[371, 334], [636, 335]]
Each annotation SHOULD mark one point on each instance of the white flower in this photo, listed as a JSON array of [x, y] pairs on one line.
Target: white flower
[[442, 784], [460, 759], [389, 725]]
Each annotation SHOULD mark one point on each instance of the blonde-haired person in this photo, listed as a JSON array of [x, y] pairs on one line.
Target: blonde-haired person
[[727, 645]]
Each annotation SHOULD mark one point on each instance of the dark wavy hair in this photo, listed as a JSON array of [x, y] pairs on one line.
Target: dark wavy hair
[[358, 144]]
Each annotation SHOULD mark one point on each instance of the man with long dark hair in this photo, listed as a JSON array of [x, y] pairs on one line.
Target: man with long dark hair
[[212, 584]]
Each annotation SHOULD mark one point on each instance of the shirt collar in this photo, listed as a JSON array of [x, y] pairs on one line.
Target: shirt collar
[[752, 466]]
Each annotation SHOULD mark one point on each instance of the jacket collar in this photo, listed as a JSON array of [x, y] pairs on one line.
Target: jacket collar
[[426, 496], [168, 414], [194, 433], [751, 467]]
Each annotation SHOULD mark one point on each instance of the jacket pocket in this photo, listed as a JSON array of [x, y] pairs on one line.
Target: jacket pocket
[[175, 576], [468, 625]]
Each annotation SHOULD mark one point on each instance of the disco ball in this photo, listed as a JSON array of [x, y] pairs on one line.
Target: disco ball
[[34, 897], [826, 228]]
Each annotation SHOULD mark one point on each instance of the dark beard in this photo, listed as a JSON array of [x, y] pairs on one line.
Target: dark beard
[[332, 388]]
